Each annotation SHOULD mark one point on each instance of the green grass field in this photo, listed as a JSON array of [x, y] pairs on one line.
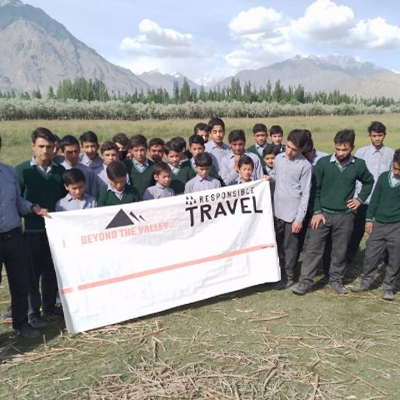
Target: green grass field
[[254, 344]]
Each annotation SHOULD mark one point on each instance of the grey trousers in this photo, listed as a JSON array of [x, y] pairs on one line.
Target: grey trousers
[[383, 236], [288, 245], [340, 226]]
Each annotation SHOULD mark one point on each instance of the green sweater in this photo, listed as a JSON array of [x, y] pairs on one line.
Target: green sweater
[[140, 180], [333, 187], [213, 173], [108, 197], [253, 149], [39, 189], [385, 201], [184, 175]]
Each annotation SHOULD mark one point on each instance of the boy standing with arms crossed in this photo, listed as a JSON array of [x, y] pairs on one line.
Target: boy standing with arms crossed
[[334, 207], [292, 176], [41, 183]]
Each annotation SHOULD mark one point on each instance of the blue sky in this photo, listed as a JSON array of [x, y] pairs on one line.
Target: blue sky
[[213, 39]]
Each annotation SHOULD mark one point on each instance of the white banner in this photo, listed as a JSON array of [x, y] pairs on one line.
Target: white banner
[[122, 262]]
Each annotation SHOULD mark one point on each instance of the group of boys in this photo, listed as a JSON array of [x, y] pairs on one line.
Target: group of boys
[[316, 198]]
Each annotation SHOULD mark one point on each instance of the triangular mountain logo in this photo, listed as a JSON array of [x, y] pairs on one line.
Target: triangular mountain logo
[[121, 219]]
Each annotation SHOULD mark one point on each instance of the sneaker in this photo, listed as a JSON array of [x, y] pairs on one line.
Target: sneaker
[[55, 312], [359, 287], [301, 289], [388, 295], [27, 332], [338, 287], [37, 322], [283, 284]]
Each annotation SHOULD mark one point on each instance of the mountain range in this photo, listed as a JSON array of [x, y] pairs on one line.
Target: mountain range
[[38, 52]]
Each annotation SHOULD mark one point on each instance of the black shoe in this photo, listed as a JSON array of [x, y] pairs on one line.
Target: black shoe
[[338, 287], [55, 312], [283, 284], [301, 289], [388, 295], [27, 332], [37, 322], [359, 287]]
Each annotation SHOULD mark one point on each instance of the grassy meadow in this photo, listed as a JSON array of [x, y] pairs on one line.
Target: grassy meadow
[[254, 344]]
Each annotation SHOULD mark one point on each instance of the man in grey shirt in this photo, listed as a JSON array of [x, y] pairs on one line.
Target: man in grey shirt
[[13, 251], [292, 175]]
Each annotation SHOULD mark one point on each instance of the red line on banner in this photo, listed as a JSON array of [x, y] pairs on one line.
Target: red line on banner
[[166, 268]]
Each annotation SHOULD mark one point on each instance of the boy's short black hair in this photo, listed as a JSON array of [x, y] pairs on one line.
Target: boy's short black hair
[[345, 136], [68, 140], [377, 127], [196, 139], [115, 170], [259, 128], [159, 167], [121, 138], [214, 122], [171, 146], [156, 142], [298, 138], [89, 136], [108, 145], [57, 138], [201, 126], [236, 134], [270, 148], [245, 160], [309, 146], [179, 142], [43, 133], [275, 129], [137, 140], [203, 160], [396, 156], [73, 175]]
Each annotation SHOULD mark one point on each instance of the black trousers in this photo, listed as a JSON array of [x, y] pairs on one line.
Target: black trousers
[[14, 255], [357, 234], [340, 226], [288, 245], [41, 272], [383, 237]]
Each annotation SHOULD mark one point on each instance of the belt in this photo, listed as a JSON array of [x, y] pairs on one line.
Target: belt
[[10, 234]]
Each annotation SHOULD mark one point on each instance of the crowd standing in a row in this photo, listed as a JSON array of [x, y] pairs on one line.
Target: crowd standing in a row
[[321, 202]]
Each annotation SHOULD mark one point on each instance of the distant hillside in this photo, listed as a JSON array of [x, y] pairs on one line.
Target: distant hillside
[[325, 74], [38, 52]]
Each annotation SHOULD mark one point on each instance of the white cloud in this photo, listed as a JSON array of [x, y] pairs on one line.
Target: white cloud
[[324, 20], [373, 34], [154, 40]]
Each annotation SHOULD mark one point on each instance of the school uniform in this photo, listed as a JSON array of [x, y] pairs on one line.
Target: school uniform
[[378, 161], [180, 176], [384, 212], [197, 184], [334, 186], [68, 203], [141, 175], [157, 192], [103, 178], [95, 165], [13, 251], [229, 175], [109, 197], [258, 151], [92, 182], [213, 172], [44, 187], [292, 191], [217, 153]]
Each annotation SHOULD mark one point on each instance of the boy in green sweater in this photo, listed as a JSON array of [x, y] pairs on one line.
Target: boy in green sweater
[[41, 182], [383, 226], [334, 205], [140, 169], [117, 191]]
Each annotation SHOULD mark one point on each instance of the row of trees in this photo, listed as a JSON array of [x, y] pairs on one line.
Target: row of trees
[[16, 109], [88, 90]]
